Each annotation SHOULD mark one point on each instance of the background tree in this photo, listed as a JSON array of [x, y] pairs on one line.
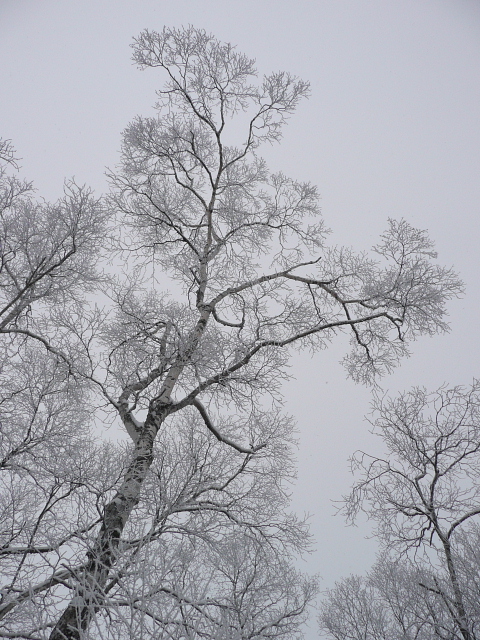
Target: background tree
[[48, 252], [424, 496], [245, 254], [388, 603], [50, 466]]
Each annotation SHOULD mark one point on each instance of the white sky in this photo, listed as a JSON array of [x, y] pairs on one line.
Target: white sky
[[391, 130]]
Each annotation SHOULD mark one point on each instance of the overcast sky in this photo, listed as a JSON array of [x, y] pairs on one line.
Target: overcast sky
[[391, 130]]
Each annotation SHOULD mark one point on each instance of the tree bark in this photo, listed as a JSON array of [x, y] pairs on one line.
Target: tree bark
[[89, 590], [462, 620]]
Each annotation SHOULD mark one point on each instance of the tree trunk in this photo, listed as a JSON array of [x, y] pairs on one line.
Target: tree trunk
[[89, 590], [462, 618]]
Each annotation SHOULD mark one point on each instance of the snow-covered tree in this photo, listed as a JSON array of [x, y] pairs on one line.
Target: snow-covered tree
[[226, 269], [424, 496]]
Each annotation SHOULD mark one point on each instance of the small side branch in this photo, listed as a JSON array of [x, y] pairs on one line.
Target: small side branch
[[59, 577], [237, 325], [208, 423], [56, 352]]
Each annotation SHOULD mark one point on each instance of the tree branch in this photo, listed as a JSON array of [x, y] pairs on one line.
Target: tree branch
[[203, 412]]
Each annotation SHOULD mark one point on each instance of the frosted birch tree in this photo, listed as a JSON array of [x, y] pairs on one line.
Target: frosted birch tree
[[424, 497], [194, 375], [388, 603], [48, 252]]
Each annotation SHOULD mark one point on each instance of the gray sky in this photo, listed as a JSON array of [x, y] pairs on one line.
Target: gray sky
[[391, 130]]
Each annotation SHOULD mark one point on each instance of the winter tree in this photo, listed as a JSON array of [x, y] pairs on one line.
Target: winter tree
[[389, 603], [424, 497], [185, 530]]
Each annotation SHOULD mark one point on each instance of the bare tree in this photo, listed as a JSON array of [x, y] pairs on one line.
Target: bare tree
[[240, 588], [48, 252], [425, 494], [194, 376], [202, 206], [49, 465], [390, 602]]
